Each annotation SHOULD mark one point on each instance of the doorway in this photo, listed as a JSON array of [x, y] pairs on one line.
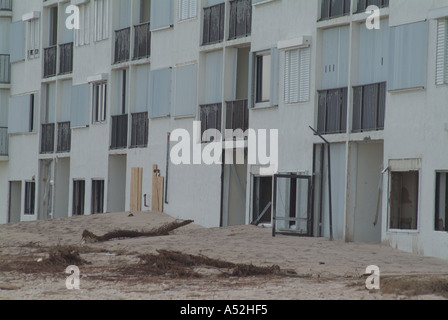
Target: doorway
[[15, 201]]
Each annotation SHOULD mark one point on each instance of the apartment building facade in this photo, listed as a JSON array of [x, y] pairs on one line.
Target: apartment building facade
[[87, 115]]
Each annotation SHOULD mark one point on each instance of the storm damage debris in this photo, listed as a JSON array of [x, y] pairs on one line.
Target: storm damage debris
[[164, 230], [180, 265]]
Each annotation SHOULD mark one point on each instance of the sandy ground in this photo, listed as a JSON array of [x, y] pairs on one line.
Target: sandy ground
[[322, 269]]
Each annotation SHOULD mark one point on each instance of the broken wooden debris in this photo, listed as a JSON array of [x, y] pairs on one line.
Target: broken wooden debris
[[164, 230]]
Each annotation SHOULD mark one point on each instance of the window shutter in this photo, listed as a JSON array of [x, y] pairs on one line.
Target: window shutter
[[161, 14], [17, 41], [213, 77], [142, 88], [160, 94], [19, 113], [286, 86], [185, 90], [274, 77], [193, 8], [442, 52], [292, 76], [251, 97], [79, 107], [305, 73]]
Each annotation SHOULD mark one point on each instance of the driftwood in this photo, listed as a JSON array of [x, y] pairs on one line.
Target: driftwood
[[164, 230]]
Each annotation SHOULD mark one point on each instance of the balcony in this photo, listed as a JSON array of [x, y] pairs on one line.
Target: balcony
[[139, 130], [119, 139], [47, 139], [122, 45], [66, 58], [6, 5], [363, 4], [240, 24], [237, 116], [142, 41], [3, 141], [332, 111], [50, 57], [64, 137], [5, 69], [213, 28], [334, 8], [369, 107], [210, 116]]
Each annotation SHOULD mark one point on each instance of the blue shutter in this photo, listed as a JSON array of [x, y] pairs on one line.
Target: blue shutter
[[142, 90], [161, 14], [79, 108], [19, 114], [125, 14], [160, 95], [213, 77], [373, 54], [251, 98], [17, 41], [4, 103], [185, 90], [335, 54], [274, 76], [66, 100], [408, 53]]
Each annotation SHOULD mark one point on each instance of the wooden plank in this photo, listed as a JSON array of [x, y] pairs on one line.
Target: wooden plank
[[136, 189], [157, 190]]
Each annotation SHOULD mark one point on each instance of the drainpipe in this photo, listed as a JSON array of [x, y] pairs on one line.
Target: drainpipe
[[329, 182]]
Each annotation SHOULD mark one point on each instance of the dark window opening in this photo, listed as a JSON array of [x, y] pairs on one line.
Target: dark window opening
[[97, 196], [30, 193], [78, 197], [404, 200], [441, 217]]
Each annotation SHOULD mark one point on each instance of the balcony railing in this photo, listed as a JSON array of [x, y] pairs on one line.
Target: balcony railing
[[334, 8], [332, 111], [122, 45], [3, 141], [119, 139], [142, 41], [66, 58], [240, 24], [50, 57], [213, 28], [139, 132], [363, 4], [237, 116], [5, 68], [6, 5], [47, 138], [64, 137], [210, 116], [369, 106]]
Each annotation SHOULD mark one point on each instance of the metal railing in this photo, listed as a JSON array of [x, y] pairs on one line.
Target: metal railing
[[369, 107], [237, 116], [6, 5], [142, 41], [50, 57], [139, 130], [122, 45], [47, 138], [363, 4], [332, 111], [240, 24], [64, 137], [3, 141], [210, 116], [5, 68], [334, 8], [213, 26], [119, 138], [66, 58]]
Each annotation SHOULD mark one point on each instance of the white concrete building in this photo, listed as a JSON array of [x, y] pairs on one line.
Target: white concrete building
[[91, 111]]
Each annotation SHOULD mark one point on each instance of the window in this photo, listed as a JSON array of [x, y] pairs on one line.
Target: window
[[263, 78], [33, 38], [101, 19], [82, 35], [210, 117], [187, 9], [30, 188], [297, 75], [404, 200], [78, 197], [53, 26], [97, 196], [442, 52], [441, 218], [31, 119], [99, 101], [334, 8]]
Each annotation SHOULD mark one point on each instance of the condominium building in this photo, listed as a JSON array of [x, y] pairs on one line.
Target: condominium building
[[93, 94]]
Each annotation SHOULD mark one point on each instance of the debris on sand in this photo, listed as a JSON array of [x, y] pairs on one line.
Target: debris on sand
[[181, 265], [64, 256], [415, 285], [164, 230]]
